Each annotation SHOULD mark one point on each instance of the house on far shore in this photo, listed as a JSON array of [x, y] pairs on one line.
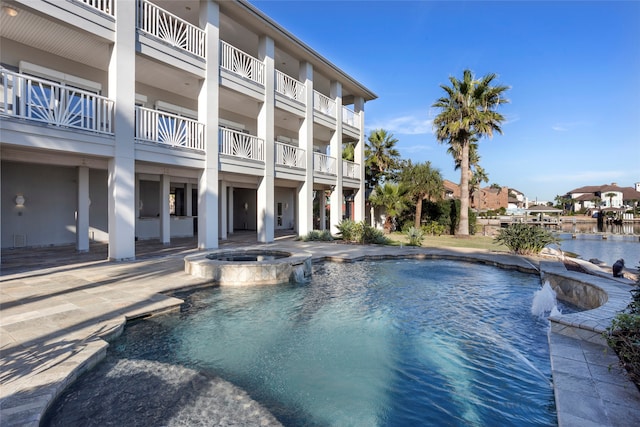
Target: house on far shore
[[517, 200], [483, 199], [611, 196]]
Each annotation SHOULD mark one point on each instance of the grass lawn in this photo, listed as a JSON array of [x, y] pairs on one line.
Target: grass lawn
[[474, 242]]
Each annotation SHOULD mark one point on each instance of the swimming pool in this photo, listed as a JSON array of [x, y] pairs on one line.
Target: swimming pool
[[370, 343]]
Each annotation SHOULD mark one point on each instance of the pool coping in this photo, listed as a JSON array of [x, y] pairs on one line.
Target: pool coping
[[39, 359]]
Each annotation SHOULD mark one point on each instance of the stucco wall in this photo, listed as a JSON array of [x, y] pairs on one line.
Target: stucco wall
[[49, 212]]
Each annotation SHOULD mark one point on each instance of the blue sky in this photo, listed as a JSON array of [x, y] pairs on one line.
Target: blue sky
[[573, 68]]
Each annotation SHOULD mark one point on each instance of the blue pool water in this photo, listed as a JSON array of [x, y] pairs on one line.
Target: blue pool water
[[387, 343]]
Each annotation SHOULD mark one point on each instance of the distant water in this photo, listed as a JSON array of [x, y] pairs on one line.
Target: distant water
[[589, 246]]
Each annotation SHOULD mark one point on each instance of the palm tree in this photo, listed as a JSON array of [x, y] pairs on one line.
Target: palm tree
[[610, 196], [423, 182], [393, 198], [348, 151], [381, 156], [478, 176], [467, 112]]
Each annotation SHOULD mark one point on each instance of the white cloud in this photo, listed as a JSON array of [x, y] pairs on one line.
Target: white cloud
[[564, 127], [405, 125]]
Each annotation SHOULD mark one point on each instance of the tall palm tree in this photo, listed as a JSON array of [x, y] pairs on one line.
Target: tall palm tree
[[393, 198], [423, 182], [380, 155], [468, 111]]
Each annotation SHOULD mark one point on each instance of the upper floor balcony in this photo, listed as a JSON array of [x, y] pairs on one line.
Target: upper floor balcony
[[54, 104], [169, 28], [60, 105]]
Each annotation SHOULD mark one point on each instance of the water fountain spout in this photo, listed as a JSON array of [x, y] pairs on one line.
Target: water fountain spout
[[544, 301]]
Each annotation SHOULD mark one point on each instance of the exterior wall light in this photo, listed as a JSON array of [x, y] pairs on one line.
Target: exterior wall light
[[10, 11], [20, 200]]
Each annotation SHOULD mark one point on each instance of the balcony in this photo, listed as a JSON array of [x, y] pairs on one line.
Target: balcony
[[168, 129], [241, 145], [169, 28], [324, 164], [323, 104], [350, 170], [104, 6], [241, 64], [290, 156], [55, 104], [290, 87]]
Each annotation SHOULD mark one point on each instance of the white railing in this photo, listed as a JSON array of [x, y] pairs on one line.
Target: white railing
[[350, 169], [105, 6], [324, 104], [53, 103], [169, 129], [238, 144], [240, 63], [290, 87], [290, 155], [323, 163], [350, 117], [170, 28]]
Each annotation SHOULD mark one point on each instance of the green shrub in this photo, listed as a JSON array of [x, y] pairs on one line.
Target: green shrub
[[525, 239], [624, 335], [415, 236], [348, 229], [360, 232], [434, 228], [318, 235]]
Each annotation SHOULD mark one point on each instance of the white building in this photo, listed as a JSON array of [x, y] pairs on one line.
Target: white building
[[137, 119]]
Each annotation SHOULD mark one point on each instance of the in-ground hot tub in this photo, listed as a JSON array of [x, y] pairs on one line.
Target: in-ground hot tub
[[239, 267]]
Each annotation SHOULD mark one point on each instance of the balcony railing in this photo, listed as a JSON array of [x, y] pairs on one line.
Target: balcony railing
[[324, 164], [350, 169], [290, 155], [290, 87], [168, 129], [324, 104], [242, 145], [349, 117], [170, 28], [104, 6], [240, 63], [53, 103]]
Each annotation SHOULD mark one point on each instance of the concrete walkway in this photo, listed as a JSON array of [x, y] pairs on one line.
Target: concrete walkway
[[58, 308]]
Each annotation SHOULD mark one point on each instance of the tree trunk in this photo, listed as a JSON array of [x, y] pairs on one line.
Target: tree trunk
[[463, 225], [418, 219]]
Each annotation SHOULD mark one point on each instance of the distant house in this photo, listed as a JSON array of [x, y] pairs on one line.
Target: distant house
[[517, 199], [488, 198], [451, 190], [595, 197]]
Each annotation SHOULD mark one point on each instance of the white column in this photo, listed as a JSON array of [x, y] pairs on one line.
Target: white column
[[82, 214], [305, 138], [165, 216], [360, 196], [265, 210], [336, 152], [208, 114], [224, 209], [121, 169]]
